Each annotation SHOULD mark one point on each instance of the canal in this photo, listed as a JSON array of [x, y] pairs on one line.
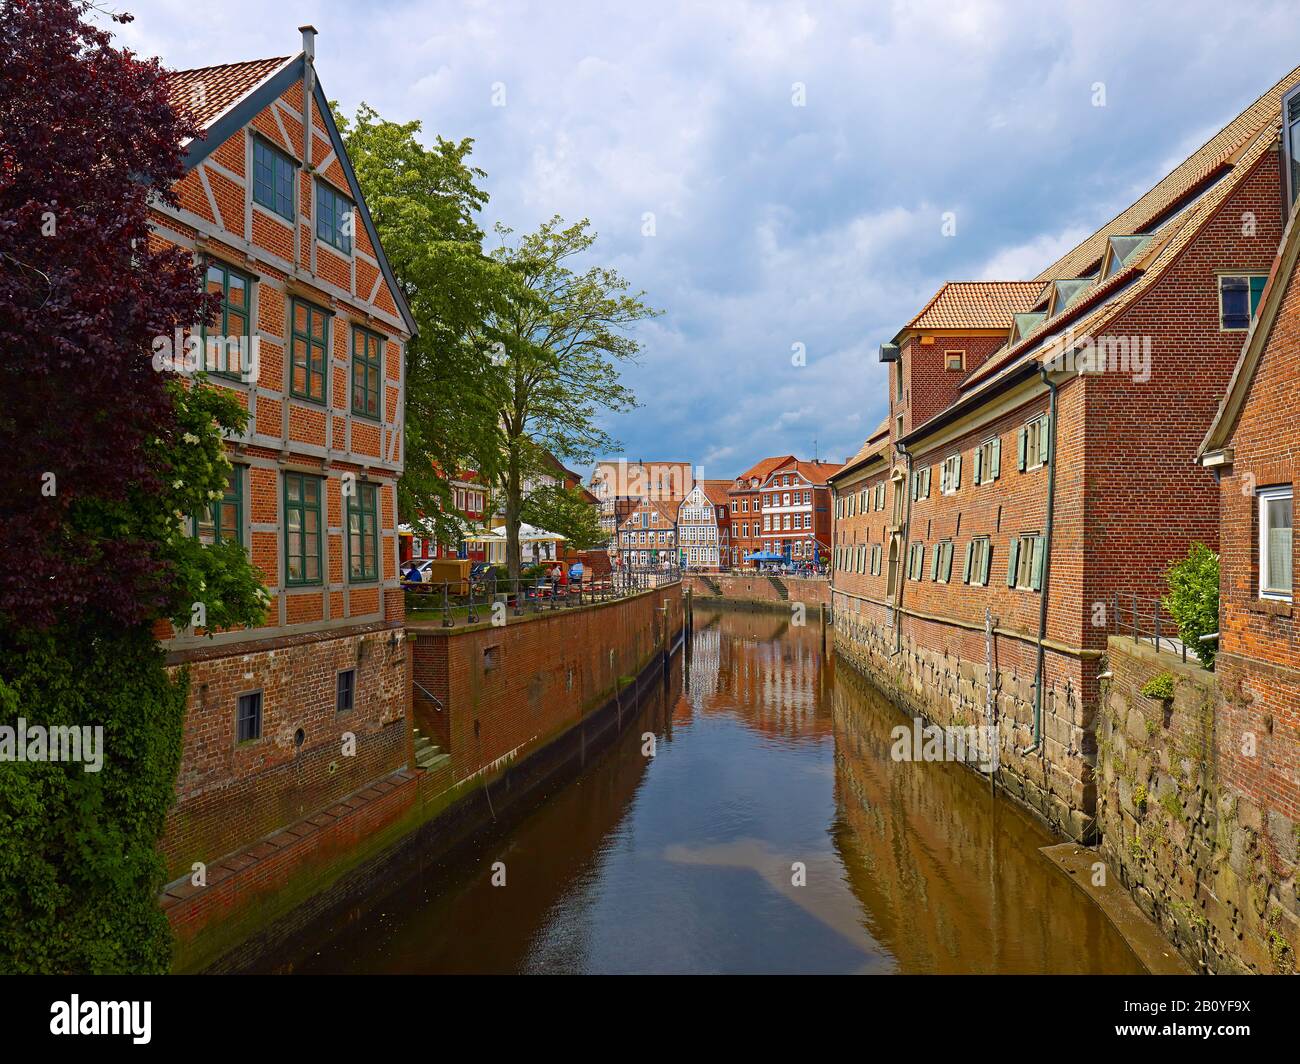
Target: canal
[[769, 832]]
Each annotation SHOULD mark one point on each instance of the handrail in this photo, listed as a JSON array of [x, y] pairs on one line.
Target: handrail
[[429, 695]]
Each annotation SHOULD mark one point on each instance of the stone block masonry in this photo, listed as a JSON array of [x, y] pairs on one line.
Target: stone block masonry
[[1212, 863]]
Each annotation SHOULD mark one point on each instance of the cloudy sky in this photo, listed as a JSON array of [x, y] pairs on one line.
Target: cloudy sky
[[796, 160]]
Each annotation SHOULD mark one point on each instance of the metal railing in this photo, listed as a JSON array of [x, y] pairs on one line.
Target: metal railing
[[490, 598], [1146, 620]]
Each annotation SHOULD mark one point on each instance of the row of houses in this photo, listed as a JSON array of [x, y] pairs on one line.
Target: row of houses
[[1052, 445], [659, 512]]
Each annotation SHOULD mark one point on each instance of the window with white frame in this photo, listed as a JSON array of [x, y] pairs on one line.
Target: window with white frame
[[950, 475], [1032, 443], [978, 556], [1025, 563], [988, 461], [1275, 543]]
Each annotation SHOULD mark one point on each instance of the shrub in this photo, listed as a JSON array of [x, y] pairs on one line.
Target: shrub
[[1193, 600], [1159, 687]]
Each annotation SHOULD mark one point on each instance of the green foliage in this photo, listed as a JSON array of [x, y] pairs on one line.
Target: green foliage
[[563, 335], [566, 511], [80, 870], [424, 203], [1193, 600], [1159, 687]]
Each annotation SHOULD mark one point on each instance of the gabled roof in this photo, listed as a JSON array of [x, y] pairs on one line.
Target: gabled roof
[[1174, 211], [1177, 184], [234, 94], [208, 92], [763, 468], [975, 305], [813, 472], [1280, 278], [666, 508], [875, 446], [715, 490]]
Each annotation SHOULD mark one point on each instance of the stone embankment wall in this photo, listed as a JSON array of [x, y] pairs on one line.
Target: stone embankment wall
[[1212, 866]]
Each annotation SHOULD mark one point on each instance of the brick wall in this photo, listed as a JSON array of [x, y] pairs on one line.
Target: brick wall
[[229, 794], [1259, 639], [760, 590], [510, 688], [1211, 864]]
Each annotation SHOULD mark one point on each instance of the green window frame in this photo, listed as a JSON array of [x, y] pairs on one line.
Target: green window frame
[[223, 521], [363, 533], [367, 372], [274, 175], [333, 217], [309, 333], [235, 289], [303, 532]]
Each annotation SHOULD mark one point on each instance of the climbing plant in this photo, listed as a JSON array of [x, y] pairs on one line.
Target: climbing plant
[[1193, 600]]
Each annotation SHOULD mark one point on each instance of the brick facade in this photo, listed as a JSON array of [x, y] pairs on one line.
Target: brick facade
[[323, 449], [1128, 496]]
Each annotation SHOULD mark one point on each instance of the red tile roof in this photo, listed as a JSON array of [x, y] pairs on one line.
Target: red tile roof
[[976, 305], [208, 92], [763, 468]]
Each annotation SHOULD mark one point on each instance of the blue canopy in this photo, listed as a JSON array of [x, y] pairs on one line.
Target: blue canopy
[[764, 556]]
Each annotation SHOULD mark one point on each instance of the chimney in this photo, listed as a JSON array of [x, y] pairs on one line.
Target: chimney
[[308, 42]]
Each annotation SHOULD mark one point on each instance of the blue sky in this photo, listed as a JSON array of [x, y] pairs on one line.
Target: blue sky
[[777, 224]]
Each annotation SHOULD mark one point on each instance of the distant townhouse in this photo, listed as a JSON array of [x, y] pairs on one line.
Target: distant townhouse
[[649, 535], [704, 526], [1038, 474], [797, 511], [746, 508], [311, 339], [470, 497], [620, 486], [1253, 447]]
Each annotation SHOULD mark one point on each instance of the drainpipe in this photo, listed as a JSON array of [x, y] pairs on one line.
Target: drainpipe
[[1047, 567], [902, 553]]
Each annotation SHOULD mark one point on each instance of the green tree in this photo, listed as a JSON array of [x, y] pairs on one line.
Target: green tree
[[566, 511], [105, 455], [1193, 600], [424, 202], [562, 336]]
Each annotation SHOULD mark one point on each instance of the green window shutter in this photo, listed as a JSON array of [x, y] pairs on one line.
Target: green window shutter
[[927, 481], [988, 557], [1044, 437], [947, 563], [1256, 290], [996, 471], [979, 462], [934, 561], [916, 485], [1021, 445], [965, 569], [956, 474], [1013, 561], [1036, 580]]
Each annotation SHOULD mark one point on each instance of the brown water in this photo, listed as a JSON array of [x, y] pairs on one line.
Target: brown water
[[769, 760]]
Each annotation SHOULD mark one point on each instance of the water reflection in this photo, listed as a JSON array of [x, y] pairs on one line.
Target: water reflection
[[770, 833]]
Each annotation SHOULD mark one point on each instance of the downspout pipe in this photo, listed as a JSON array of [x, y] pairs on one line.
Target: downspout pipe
[[899, 572], [1040, 668]]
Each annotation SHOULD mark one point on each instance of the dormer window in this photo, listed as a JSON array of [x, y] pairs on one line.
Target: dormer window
[[1121, 250], [1066, 292], [954, 361], [1023, 324]]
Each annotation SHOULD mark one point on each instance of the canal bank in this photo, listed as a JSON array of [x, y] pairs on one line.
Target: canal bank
[[521, 700], [760, 827]]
